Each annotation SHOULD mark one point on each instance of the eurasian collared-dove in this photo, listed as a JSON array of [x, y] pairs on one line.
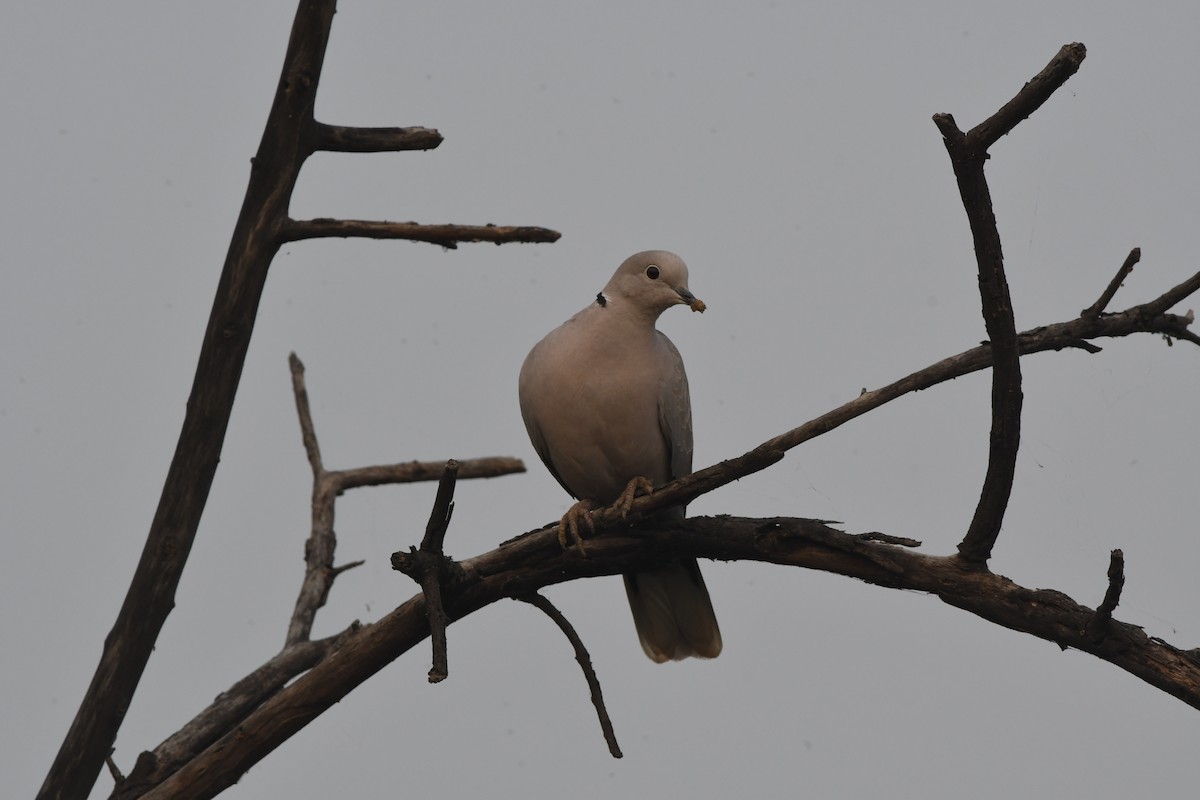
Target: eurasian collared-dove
[[605, 400]]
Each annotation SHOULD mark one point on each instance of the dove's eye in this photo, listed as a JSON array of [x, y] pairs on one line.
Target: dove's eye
[[652, 272]]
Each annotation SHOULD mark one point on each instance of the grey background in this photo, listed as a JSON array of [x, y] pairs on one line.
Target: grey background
[[786, 151]]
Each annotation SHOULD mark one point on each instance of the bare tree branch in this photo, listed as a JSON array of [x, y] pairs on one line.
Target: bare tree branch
[[537, 561], [1066, 62], [341, 139], [1094, 310], [1101, 622], [447, 236], [319, 572], [1073, 334], [585, 663], [225, 712], [414, 471], [968, 154], [426, 567]]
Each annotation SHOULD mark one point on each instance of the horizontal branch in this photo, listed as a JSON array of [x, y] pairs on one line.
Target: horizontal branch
[[537, 561], [343, 139], [448, 236], [414, 471]]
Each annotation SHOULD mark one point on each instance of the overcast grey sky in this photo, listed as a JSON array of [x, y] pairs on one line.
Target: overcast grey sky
[[786, 152]]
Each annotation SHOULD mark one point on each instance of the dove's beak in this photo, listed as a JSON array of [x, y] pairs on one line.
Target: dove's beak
[[693, 302]]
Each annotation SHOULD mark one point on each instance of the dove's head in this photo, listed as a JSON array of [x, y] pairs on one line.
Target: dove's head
[[653, 280]]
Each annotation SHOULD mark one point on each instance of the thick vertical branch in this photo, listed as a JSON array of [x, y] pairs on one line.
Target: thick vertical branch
[[151, 594], [1006, 358], [968, 154]]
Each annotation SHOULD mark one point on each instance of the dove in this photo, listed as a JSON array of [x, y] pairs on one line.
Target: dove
[[605, 400]]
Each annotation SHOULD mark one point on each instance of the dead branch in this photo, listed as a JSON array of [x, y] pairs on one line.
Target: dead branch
[[1101, 622], [1110, 291], [448, 236], [968, 154], [428, 564], [537, 560], [1149, 317], [342, 139], [291, 134], [585, 663], [415, 471], [225, 712], [299, 652]]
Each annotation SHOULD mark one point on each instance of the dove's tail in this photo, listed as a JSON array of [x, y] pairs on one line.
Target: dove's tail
[[673, 613]]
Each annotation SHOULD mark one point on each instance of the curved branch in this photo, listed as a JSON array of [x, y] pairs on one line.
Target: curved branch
[[968, 154], [537, 560], [585, 663]]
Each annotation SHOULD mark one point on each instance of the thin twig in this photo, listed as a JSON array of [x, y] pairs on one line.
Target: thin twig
[[308, 433], [448, 236], [1094, 310], [113, 769], [585, 663], [1101, 621], [321, 546]]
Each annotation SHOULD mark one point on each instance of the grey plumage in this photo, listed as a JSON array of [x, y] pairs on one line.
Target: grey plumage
[[605, 400]]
